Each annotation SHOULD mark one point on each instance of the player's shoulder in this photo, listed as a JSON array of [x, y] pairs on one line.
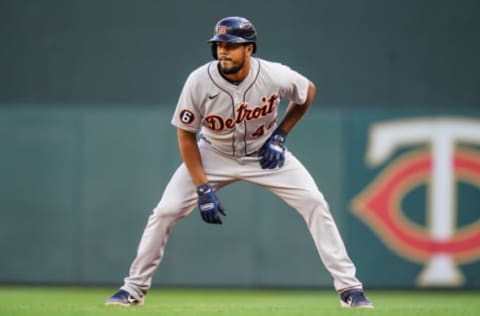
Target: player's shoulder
[[276, 71], [269, 63]]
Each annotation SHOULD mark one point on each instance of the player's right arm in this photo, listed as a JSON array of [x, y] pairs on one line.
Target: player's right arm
[[208, 204], [187, 120], [187, 143]]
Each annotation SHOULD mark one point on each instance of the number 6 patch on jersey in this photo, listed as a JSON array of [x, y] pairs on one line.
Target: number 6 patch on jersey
[[187, 117]]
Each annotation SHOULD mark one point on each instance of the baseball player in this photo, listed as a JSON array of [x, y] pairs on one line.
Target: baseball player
[[232, 105]]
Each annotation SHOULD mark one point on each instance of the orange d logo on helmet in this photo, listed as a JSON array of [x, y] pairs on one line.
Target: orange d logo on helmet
[[221, 30]]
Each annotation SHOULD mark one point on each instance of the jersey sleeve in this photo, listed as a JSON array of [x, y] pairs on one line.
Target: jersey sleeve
[[187, 115], [294, 86]]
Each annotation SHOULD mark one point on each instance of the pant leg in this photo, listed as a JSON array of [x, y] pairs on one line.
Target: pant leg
[[294, 184], [178, 200]]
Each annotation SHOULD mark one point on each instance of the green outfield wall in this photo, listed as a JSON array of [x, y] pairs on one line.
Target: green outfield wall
[[77, 185], [383, 53]]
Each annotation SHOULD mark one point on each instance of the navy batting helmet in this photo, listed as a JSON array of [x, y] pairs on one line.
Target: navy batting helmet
[[233, 29]]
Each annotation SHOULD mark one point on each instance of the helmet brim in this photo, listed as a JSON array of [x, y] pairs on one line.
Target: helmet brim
[[228, 38]]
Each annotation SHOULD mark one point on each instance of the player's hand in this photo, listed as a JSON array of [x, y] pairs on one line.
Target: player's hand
[[208, 204], [273, 151]]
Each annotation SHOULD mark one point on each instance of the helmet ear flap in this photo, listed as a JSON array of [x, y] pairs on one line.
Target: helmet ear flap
[[214, 50]]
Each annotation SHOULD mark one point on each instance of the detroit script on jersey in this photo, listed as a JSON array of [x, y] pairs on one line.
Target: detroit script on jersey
[[237, 119], [244, 113]]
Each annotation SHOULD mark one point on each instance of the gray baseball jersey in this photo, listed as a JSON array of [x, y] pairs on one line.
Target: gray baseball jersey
[[237, 119]]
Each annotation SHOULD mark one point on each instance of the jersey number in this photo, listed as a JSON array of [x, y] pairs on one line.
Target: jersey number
[[260, 131]]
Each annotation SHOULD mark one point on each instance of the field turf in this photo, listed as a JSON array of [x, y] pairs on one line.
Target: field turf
[[62, 301]]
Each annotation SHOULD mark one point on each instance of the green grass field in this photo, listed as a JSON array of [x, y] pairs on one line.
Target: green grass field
[[59, 301]]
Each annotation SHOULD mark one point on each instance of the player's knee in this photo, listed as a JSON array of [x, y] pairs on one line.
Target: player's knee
[[315, 199], [314, 203]]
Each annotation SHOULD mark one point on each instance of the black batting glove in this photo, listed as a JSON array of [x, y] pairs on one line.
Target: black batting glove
[[273, 151], [208, 204]]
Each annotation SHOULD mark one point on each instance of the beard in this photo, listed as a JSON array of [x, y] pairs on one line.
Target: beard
[[232, 69]]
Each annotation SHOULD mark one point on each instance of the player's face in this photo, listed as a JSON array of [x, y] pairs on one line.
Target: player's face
[[232, 56]]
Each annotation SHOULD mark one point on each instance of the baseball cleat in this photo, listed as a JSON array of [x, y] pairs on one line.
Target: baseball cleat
[[124, 299], [354, 298]]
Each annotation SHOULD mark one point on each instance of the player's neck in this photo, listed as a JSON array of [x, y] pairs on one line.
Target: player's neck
[[239, 76]]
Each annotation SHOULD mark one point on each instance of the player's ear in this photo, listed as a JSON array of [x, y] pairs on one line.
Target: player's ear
[[249, 48]]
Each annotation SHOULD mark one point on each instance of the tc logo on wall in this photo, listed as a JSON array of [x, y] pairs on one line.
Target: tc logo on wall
[[438, 155]]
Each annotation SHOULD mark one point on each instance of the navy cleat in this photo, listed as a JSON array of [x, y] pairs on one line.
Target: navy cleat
[[354, 298], [123, 298]]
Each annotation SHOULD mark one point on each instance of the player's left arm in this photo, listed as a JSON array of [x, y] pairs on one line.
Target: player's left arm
[[273, 151], [295, 111]]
